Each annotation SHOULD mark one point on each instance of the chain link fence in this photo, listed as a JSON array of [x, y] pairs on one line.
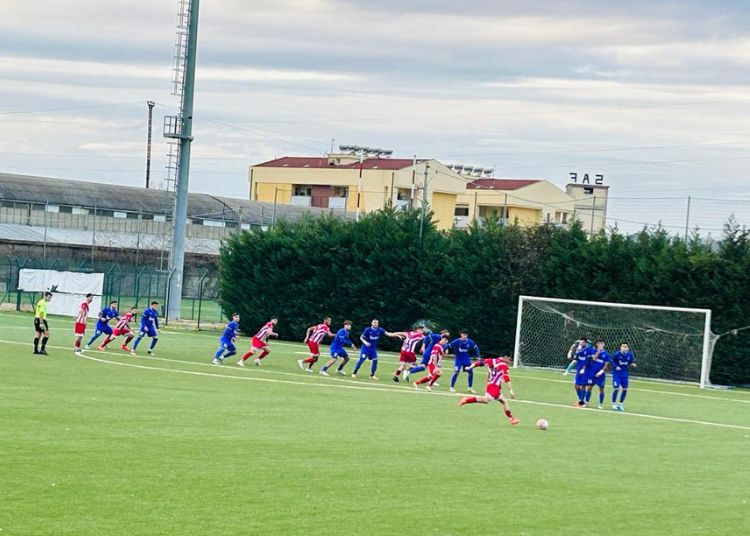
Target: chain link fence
[[131, 286]]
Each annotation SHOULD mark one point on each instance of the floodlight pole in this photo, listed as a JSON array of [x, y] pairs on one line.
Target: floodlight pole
[[148, 143], [177, 257]]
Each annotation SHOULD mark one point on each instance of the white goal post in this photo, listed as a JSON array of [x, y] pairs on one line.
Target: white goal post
[[670, 343]]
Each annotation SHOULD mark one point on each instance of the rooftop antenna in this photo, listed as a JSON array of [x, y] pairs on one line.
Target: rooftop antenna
[[179, 130]]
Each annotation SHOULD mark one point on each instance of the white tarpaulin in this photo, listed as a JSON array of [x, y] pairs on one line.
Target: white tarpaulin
[[68, 288]]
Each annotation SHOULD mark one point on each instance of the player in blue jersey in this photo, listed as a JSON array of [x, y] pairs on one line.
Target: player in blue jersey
[[582, 358], [102, 324], [226, 343], [622, 360], [338, 349], [370, 339], [463, 349], [428, 341], [597, 372], [149, 326]]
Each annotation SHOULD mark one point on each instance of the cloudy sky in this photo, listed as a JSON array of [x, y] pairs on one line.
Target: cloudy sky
[[654, 95]]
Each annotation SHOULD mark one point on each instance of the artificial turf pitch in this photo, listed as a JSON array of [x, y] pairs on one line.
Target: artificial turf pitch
[[115, 444]]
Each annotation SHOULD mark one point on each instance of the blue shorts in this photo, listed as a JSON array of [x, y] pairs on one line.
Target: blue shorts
[[103, 328], [461, 362], [369, 352], [148, 330], [425, 360], [600, 381], [338, 352], [228, 345], [581, 379], [620, 380]]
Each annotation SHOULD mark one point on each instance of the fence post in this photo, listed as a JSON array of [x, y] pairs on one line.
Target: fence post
[[167, 298], [200, 297]]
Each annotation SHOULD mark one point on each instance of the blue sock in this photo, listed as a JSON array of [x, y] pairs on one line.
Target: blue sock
[[219, 353], [343, 364], [418, 368], [324, 369], [587, 396], [601, 397], [453, 379], [91, 341], [137, 342], [153, 342], [373, 367], [230, 354], [359, 364], [623, 395], [581, 393], [471, 377], [614, 395]]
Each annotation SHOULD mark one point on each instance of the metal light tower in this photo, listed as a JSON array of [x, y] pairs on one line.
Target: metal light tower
[[180, 127], [151, 105]]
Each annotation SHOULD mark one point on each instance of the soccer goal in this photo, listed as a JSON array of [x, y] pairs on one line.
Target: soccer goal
[[670, 343]]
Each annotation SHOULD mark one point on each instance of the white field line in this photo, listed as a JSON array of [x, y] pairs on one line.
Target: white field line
[[517, 372], [340, 384]]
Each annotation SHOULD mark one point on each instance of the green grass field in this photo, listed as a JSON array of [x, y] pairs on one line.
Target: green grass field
[[115, 444]]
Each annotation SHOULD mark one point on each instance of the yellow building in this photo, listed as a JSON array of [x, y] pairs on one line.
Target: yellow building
[[525, 201], [346, 182]]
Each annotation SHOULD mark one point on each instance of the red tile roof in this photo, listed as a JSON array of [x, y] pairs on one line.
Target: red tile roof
[[500, 184], [323, 162]]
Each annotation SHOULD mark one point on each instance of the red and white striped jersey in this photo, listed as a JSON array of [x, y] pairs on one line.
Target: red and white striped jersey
[[320, 331], [437, 354], [264, 332], [411, 341], [83, 313], [497, 371], [124, 322]]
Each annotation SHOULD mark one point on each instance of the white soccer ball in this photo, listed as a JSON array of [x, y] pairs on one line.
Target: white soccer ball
[[542, 424]]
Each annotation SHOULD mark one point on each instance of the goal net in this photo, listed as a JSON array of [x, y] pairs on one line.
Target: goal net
[[669, 343]]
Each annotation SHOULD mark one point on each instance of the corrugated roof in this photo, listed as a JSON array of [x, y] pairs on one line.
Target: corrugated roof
[[392, 164], [26, 188], [500, 184]]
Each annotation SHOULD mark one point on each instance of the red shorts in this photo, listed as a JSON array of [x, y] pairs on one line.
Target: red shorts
[[79, 329], [257, 343], [493, 391], [434, 370], [313, 346], [408, 357], [124, 331]]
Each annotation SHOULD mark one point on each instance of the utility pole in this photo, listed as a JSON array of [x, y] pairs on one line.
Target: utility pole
[[424, 201], [185, 136], [148, 143], [359, 185], [687, 219]]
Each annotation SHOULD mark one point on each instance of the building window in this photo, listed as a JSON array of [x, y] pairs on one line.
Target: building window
[[340, 191], [302, 190], [121, 215], [461, 210], [403, 194]]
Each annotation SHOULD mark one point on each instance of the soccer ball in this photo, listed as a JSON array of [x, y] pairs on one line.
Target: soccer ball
[[542, 424]]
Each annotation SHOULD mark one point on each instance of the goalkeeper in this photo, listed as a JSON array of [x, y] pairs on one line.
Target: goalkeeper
[[579, 344]]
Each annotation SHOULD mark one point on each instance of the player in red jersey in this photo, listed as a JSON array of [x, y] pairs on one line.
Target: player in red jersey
[[260, 342], [433, 368], [80, 326], [122, 328], [313, 338], [497, 372], [408, 350]]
